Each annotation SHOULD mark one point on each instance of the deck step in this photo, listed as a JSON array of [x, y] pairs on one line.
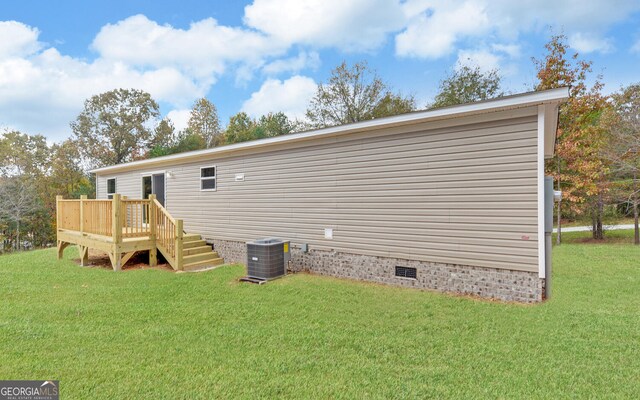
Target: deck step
[[203, 264], [190, 237], [197, 254], [199, 257], [196, 250], [194, 243]]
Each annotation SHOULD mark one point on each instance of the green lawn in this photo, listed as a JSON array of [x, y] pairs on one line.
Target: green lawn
[[623, 236], [587, 222], [157, 334]]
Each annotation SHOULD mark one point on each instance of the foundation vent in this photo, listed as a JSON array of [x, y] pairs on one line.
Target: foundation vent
[[406, 272]]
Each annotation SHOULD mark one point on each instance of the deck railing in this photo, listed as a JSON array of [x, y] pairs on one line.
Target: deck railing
[[96, 216], [120, 218], [68, 214], [135, 218], [167, 231]]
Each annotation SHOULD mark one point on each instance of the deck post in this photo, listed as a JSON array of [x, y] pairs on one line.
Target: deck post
[[152, 220], [82, 199], [84, 255], [60, 245], [116, 229], [116, 219], [179, 232], [83, 250], [58, 198]]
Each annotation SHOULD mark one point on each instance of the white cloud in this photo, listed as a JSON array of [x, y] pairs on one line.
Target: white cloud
[[435, 31], [483, 59], [180, 118], [424, 28], [203, 50], [586, 43], [436, 26], [44, 92], [18, 39], [41, 90], [357, 25], [291, 96], [295, 64], [512, 50], [636, 47], [512, 17]]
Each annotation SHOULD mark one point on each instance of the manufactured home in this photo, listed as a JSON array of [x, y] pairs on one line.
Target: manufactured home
[[449, 199]]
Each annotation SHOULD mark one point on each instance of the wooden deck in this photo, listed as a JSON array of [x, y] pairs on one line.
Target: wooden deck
[[125, 249], [120, 227]]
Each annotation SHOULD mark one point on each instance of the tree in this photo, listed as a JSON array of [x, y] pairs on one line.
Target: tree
[[623, 149], [163, 134], [277, 124], [32, 173], [18, 200], [25, 165], [22, 154], [114, 126], [466, 85], [579, 166], [185, 141], [354, 94], [204, 122], [243, 128], [66, 176]]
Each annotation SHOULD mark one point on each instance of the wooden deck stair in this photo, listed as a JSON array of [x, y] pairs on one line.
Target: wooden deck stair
[[121, 227], [197, 254]]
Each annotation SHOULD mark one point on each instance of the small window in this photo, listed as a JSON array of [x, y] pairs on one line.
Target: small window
[[406, 272], [208, 178], [111, 188]]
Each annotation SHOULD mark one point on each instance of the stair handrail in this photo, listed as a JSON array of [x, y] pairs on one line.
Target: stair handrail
[[164, 210], [168, 234]]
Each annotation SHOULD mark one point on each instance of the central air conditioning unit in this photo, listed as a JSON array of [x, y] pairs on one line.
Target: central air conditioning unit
[[267, 259]]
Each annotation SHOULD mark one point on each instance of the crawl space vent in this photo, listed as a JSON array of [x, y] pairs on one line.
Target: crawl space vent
[[406, 272]]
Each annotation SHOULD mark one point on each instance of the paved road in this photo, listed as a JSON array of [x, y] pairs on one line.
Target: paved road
[[588, 228]]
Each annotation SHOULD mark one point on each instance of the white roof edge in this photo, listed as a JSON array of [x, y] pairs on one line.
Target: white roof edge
[[502, 103]]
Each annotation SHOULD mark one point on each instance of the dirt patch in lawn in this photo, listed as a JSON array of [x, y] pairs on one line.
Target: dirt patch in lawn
[[140, 260]]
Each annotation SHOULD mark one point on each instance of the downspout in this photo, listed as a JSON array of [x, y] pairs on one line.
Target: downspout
[[550, 196]]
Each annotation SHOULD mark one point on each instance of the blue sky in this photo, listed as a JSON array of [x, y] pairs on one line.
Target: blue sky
[[268, 55]]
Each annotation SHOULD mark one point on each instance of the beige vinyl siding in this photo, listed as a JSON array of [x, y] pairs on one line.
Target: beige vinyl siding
[[129, 185], [101, 187], [463, 194]]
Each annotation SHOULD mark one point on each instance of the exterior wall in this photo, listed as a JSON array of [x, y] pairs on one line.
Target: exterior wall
[[502, 284], [451, 192]]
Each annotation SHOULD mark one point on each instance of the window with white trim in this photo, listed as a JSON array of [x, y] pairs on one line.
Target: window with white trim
[[111, 187], [208, 178]]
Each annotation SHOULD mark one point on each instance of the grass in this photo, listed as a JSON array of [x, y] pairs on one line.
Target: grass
[[623, 236], [156, 334]]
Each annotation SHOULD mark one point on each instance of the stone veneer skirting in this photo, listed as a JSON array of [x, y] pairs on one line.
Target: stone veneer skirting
[[502, 284]]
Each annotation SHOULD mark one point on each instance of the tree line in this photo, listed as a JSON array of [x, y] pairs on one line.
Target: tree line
[[597, 162]]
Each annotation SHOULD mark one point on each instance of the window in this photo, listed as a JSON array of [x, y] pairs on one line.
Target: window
[[406, 272], [208, 178], [111, 188]]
